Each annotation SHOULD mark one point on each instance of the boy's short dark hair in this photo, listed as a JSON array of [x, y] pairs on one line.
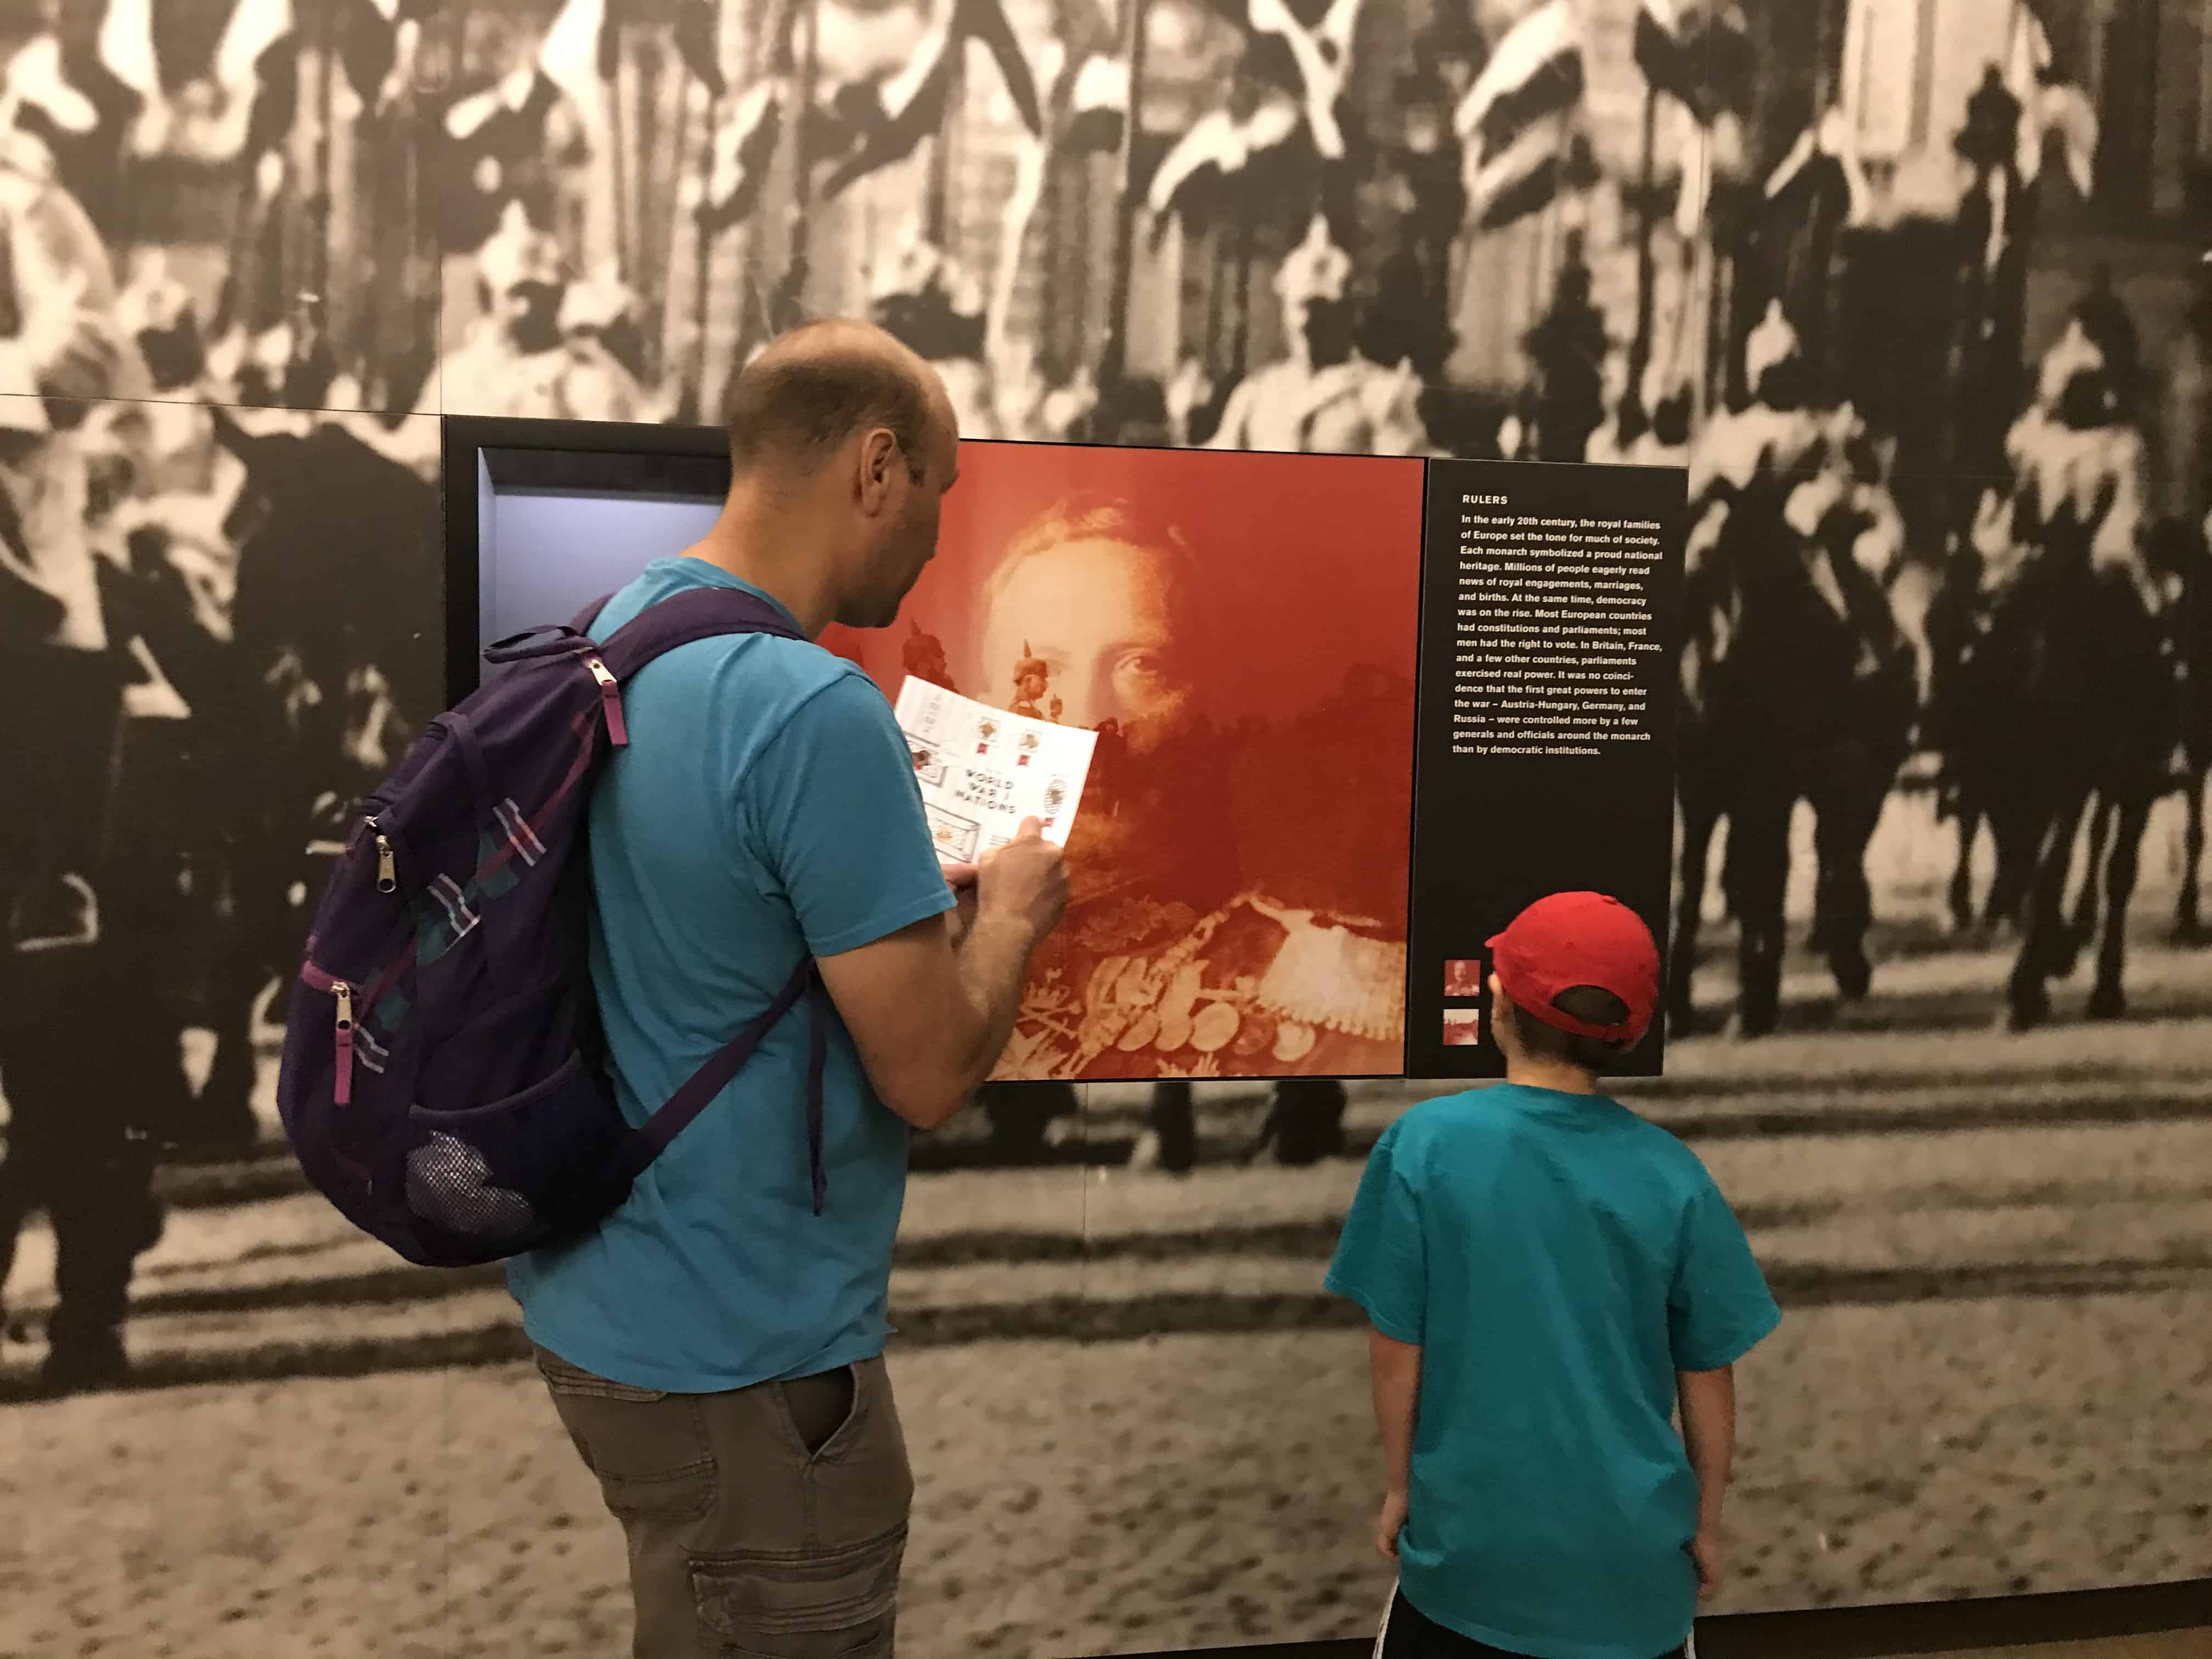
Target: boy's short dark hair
[[1594, 1005]]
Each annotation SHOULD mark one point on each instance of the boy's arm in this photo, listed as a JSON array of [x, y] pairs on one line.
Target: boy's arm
[[1382, 1263], [1395, 1370], [1718, 1310], [1708, 1401]]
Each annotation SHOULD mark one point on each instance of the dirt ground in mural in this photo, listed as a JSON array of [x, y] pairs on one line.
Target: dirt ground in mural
[[1137, 1423], [2016, 1416], [440, 1515]]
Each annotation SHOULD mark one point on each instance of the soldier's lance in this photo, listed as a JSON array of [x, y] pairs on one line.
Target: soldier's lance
[[1248, 234], [652, 274], [768, 53], [423, 264], [381, 190], [703, 257], [1829, 32], [314, 295], [690, 354], [401, 120], [937, 204], [681, 150], [1639, 351], [1115, 356], [617, 151], [1550, 220], [1678, 345], [231, 305], [1720, 279], [1215, 294], [784, 305], [230, 297], [702, 240]]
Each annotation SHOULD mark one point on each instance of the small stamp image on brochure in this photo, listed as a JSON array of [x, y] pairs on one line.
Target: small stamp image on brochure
[[953, 836], [983, 770], [928, 764]]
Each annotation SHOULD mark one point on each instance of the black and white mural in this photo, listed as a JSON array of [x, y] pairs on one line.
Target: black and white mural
[[1916, 290]]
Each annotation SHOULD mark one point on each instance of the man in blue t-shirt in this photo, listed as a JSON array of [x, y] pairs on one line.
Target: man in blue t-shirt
[[714, 1348], [1547, 1276]]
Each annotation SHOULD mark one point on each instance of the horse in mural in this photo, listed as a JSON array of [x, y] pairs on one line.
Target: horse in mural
[[2181, 550], [2064, 705], [1797, 684], [2178, 552], [1963, 615]]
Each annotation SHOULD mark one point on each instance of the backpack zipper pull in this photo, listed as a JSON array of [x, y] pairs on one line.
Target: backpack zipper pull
[[610, 701], [342, 1095], [387, 868]]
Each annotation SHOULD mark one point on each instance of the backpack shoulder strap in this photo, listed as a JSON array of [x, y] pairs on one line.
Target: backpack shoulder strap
[[703, 613], [697, 613], [651, 1137]]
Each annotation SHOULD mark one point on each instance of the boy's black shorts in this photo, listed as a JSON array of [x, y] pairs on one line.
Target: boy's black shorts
[[1407, 1633]]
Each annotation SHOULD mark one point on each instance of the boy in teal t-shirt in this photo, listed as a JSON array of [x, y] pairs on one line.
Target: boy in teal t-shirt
[[1547, 1275]]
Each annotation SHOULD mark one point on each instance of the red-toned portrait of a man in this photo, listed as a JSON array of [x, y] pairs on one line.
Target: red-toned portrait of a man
[[1240, 632]]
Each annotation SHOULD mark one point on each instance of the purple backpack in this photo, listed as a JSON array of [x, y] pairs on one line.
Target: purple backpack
[[442, 1081]]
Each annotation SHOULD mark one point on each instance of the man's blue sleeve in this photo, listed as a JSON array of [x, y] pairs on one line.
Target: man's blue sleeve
[[1381, 1258], [834, 802], [1719, 1309]]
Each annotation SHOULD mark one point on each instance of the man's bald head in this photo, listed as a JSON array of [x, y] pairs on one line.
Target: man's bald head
[[842, 444], [824, 384]]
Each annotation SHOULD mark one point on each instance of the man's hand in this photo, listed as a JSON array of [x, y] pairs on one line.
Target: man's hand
[[1389, 1523], [961, 878], [1706, 1551], [1026, 880]]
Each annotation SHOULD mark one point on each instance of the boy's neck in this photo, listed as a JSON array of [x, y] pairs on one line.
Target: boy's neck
[[1557, 1075]]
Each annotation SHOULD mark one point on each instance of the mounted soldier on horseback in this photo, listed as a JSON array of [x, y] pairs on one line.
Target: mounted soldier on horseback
[[2062, 691], [1797, 682]]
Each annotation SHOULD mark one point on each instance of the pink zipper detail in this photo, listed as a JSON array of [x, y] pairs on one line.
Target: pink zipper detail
[[342, 1093], [610, 701]]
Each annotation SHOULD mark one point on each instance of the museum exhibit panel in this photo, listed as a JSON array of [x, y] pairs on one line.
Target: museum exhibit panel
[[1470, 659]]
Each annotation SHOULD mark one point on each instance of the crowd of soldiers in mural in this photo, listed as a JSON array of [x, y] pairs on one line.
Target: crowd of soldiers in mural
[[217, 597], [211, 612]]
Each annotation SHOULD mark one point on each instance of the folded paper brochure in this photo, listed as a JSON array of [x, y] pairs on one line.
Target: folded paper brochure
[[983, 770]]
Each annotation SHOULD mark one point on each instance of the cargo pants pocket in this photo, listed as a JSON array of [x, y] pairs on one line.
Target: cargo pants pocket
[[820, 1604], [649, 1449], [822, 1581]]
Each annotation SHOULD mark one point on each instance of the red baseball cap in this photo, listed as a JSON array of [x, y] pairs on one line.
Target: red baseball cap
[[1579, 939]]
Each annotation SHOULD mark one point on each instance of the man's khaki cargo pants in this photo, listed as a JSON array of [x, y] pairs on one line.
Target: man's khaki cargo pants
[[769, 1523]]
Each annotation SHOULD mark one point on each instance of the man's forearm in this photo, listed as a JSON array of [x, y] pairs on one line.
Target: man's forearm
[[994, 955], [1708, 1399], [1395, 1374]]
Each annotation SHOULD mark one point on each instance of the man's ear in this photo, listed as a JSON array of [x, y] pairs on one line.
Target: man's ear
[[879, 454]]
